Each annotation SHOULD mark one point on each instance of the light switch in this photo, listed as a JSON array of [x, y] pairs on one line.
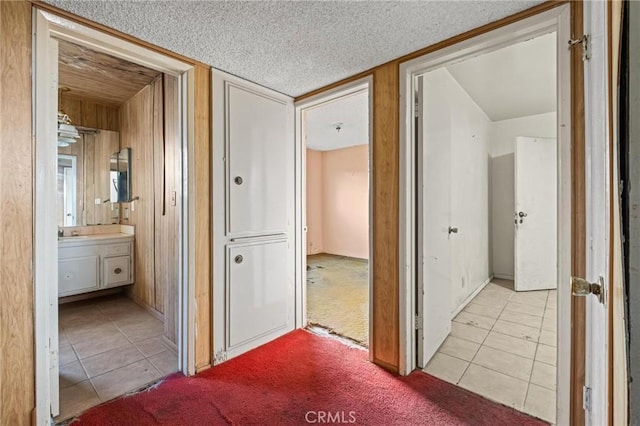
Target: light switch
[[98, 201], [173, 198], [126, 213]]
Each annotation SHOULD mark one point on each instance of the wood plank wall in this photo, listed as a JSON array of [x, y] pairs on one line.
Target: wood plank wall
[[154, 177], [88, 113], [16, 216], [203, 212]]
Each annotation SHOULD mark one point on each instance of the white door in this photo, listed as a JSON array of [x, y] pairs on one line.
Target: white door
[[597, 209], [536, 214], [435, 217], [253, 202]]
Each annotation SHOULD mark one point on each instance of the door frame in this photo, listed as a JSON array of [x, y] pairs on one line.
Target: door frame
[[47, 27], [348, 89], [558, 19]]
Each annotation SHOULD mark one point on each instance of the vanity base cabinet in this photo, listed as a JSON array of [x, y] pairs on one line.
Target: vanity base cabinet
[[78, 275], [88, 265]]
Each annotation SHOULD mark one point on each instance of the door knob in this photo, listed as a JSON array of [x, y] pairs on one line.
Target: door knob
[[521, 215], [238, 180], [238, 259], [582, 287], [453, 230]]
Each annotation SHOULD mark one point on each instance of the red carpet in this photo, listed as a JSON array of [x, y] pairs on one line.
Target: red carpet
[[299, 379]]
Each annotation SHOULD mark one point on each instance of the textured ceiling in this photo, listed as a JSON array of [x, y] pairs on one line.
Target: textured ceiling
[[515, 81], [293, 47], [351, 112]]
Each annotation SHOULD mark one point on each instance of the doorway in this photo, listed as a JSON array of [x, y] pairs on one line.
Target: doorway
[[113, 322], [486, 320], [337, 220], [334, 249]]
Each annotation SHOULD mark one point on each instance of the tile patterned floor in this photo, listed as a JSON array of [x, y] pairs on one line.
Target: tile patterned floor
[[108, 347], [338, 295], [503, 346]]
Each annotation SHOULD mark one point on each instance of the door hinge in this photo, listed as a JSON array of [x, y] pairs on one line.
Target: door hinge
[[586, 398], [417, 322], [586, 49]]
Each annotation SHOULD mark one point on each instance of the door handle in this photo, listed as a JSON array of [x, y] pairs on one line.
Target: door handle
[[453, 230], [581, 287]]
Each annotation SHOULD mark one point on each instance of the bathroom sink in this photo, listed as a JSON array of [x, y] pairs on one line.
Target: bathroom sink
[[74, 237]]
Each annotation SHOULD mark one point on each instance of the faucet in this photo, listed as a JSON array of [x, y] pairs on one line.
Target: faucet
[[60, 232]]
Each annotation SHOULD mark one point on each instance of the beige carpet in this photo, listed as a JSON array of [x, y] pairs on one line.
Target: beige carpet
[[338, 295]]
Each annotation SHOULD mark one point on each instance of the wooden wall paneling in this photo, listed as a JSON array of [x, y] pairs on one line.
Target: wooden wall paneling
[[16, 201], [203, 229], [167, 237], [578, 224], [72, 107], [136, 123], [160, 222], [89, 117], [385, 341], [88, 113]]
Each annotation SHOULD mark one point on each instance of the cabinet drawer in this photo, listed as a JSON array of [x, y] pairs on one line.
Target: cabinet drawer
[[117, 270], [77, 275], [117, 249]]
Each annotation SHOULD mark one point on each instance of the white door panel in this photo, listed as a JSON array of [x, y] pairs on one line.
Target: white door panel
[[536, 214], [597, 208], [253, 139], [259, 292], [258, 164], [436, 219]]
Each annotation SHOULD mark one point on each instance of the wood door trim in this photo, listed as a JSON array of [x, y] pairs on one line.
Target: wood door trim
[[578, 224], [124, 36]]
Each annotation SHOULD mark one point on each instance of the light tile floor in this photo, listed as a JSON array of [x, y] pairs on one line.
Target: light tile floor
[[503, 346], [108, 347]]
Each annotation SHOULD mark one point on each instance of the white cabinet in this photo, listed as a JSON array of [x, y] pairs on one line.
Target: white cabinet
[[91, 263]]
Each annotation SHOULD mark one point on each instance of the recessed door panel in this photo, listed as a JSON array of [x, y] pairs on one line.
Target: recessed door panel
[[259, 292], [258, 163]]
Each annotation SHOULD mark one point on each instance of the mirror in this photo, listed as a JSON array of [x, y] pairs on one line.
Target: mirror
[[67, 181], [120, 176], [84, 180]]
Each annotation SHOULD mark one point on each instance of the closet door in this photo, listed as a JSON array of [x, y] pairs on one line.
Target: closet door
[[253, 185]]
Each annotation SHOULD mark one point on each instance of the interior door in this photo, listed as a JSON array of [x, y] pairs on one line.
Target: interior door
[[536, 214], [435, 216], [253, 202], [597, 211]]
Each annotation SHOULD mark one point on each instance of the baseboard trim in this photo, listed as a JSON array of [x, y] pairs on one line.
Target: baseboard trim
[[91, 295], [170, 345], [503, 277], [470, 297], [157, 314]]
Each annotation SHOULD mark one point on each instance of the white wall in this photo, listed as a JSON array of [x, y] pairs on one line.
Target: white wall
[[467, 131], [503, 136]]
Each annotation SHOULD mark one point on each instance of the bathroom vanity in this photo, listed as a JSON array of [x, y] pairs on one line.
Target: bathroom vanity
[[94, 262]]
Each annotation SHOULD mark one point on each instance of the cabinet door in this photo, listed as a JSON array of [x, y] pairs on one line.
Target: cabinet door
[[78, 275], [259, 294], [117, 271], [260, 163]]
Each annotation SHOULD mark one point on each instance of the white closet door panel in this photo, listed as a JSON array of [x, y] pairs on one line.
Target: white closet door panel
[[258, 163], [259, 292]]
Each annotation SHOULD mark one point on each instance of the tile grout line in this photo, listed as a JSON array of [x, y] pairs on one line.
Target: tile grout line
[[536, 354], [482, 344]]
